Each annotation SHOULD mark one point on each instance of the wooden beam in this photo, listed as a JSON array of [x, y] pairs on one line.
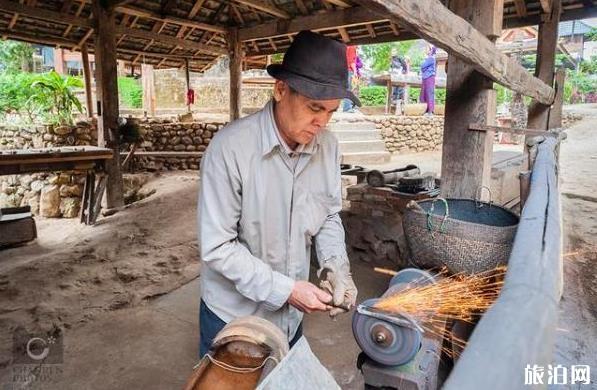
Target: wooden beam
[[44, 14], [143, 13], [470, 98], [344, 34], [334, 19], [546, 6], [265, 7], [170, 40], [511, 130], [38, 38], [432, 21], [87, 78], [521, 8], [300, 4], [238, 16], [371, 31], [394, 28], [84, 39], [339, 3], [68, 28], [545, 64], [107, 95], [236, 56]]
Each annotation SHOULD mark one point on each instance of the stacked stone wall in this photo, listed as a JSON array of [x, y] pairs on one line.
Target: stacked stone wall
[[411, 133]]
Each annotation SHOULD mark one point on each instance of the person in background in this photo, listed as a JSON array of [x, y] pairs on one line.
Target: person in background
[[351, 60], [398, 65], [428, 68]]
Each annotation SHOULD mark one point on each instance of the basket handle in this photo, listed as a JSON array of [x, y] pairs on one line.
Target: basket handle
[[442, 227], [478, 194]]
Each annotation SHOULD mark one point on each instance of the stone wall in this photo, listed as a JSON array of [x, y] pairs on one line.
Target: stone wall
[[411, 133], [373, 224], [210, 92], [162, 135], [48, 194]]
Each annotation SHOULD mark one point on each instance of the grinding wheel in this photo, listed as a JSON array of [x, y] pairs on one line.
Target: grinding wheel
[[384, 342]]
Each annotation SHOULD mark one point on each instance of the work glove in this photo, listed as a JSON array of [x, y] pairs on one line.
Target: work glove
[[336, 279]]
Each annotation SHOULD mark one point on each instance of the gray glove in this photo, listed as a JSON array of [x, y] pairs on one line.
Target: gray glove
[[336, 279]]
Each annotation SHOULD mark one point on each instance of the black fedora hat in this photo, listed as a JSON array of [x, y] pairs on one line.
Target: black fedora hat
[[315, 66]]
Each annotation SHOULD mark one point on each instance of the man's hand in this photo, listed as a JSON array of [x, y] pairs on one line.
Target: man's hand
[[336, 278], [308, 298]]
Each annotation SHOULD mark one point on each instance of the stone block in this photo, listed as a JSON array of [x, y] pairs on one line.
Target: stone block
[[50, 201]]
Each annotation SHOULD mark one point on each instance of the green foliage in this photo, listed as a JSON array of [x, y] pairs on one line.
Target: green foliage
[[589, 67], [130, 92], [15, 56], [592, 35], [378, 56], [373, 96], [15, 94], [578, 85], [504, 95], [54, 95]]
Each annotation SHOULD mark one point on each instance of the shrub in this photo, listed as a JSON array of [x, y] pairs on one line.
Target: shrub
[[130, 92], [373, 95]]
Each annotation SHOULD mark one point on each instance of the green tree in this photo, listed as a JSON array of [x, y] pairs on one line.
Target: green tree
[[55, 94], [15, 94], [378, 56], [592, 35], [15, 56]]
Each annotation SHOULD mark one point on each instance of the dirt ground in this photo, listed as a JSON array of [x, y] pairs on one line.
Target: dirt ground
[[126, 291]]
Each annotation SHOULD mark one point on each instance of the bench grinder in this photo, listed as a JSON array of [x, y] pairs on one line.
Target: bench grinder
[[397, 354]]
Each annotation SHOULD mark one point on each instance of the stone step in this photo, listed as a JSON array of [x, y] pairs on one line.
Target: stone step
[[343, 126], [362, 146], [357, 135], [366, 158]]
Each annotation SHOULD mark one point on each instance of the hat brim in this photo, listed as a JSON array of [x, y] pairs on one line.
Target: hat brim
[[311, 88]]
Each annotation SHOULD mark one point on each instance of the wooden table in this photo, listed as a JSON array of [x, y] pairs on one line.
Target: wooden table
[[90, 159], [405, 81]]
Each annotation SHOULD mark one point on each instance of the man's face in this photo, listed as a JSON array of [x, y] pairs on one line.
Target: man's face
[[299, 118]]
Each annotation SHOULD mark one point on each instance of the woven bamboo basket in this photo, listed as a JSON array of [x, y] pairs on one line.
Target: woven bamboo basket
[[463, 235]]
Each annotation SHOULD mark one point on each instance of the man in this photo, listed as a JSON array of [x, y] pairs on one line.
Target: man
[[398, 66], [270, 189]]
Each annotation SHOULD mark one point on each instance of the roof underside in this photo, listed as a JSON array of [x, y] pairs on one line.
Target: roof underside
[[166, 33]]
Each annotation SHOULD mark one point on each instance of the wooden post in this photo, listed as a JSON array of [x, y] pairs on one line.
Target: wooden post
[[147, 81], [107, 99], [235, 55], [188, 79], [470, 98], [59, 60], [87, 77], [545, 64]]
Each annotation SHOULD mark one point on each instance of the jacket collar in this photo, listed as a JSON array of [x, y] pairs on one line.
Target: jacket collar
[[269, 139]]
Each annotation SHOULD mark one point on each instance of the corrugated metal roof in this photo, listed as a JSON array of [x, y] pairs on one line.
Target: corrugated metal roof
[[575, 27]]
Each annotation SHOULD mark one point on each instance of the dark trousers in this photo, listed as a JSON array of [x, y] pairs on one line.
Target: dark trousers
[[210, 324]]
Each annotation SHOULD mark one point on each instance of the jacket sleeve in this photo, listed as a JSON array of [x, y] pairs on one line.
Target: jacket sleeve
[[329, 240], [220, 199]]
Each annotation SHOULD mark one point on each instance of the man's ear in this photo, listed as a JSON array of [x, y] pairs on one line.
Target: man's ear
[[280, 90]]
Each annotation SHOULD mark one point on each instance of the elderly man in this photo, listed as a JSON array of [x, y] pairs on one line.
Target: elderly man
[[270, 189]]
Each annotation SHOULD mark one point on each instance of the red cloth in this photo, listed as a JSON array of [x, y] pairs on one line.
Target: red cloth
[[190, 97], [351, 58]]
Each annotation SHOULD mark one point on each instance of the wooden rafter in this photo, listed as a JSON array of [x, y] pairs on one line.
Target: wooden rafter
[[44, 14], [521, 8], [77, 13], [394, 28], [371, 31], [237, 15], [265, 7], [334, 19], [460, 39], [143, 13], [546, 6], [300, 4], [344, 34], [272, 44], [339, 3], [84, 39], [169, 40]]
